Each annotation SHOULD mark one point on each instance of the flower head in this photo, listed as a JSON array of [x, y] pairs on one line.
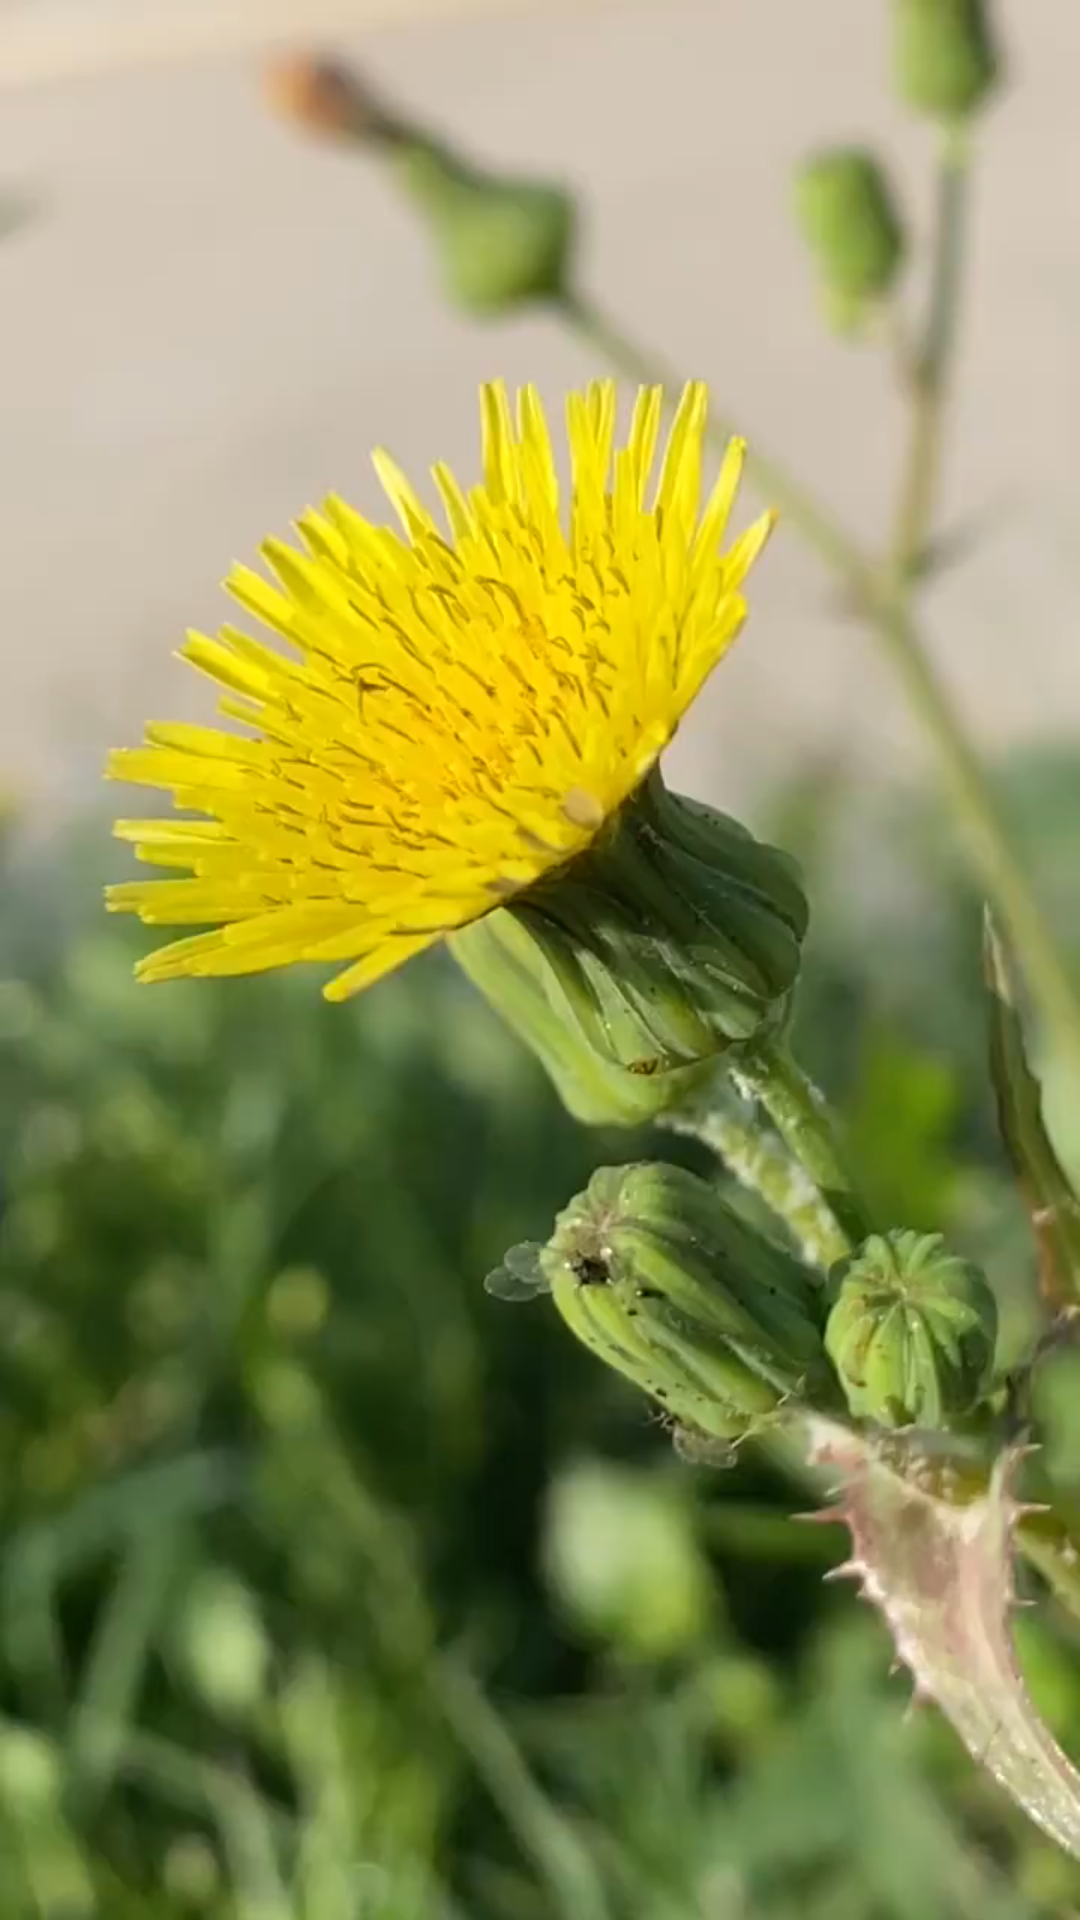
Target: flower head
[[458, 714]]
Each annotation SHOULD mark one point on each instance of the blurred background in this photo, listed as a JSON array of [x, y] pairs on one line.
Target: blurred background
[[331, 1587], [209, 321]]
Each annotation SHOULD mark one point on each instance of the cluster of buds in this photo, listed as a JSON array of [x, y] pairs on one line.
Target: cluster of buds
[[654, 1271], [670, 946], [503, 241], [946, 66]]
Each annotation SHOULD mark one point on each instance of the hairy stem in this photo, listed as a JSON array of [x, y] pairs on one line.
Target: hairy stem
[[933, 1550], [802, 1118], [764, 1166]]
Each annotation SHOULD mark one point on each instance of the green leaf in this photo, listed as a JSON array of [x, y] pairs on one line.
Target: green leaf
[[1048, 1194]]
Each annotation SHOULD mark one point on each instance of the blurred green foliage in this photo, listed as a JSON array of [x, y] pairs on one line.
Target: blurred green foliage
[[332, 1587]]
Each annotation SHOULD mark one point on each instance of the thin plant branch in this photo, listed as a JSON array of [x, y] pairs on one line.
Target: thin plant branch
[[873, 592], [766, 1167], [928, 369]]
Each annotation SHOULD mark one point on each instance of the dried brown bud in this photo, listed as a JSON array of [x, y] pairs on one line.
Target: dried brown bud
[[326, 97]]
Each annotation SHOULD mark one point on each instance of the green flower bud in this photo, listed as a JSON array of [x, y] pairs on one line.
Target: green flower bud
[[849, 220], [674, 938], [664, 1282], [912, 1331], [501, 242], [509, 967], [944, 53]]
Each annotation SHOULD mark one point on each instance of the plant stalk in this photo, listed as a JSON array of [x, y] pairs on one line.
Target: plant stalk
[[802, 1118], [762, 1164], [880, 594], [927, 371]]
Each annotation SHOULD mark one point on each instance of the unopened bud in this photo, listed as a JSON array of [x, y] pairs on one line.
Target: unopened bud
[[849, 220], [675, 938], [510, 968], [944, 54], [912, 1331], [501, 242], [664, 1282]]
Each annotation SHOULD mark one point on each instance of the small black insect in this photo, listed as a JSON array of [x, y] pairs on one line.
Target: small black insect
[[588, 1271]]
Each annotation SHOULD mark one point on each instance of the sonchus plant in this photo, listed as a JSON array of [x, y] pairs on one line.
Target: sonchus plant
[[460, 739]]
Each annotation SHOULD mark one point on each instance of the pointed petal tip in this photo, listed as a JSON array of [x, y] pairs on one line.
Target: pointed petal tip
[[337, 990], [116, 764]]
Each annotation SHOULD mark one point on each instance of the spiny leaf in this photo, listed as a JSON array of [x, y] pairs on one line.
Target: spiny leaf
[[1048, 1193], [933, 1550]]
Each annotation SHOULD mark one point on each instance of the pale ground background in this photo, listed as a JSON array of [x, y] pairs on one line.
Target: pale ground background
[[209, 322]]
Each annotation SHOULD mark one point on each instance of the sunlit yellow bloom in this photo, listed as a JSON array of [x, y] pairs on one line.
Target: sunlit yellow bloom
[[458, 713]]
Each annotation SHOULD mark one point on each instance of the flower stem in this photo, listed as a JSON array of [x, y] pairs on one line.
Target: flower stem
[[926, 371], [764, 1166], [996, 860], [879, 593], [802, 1118], [927, 374]]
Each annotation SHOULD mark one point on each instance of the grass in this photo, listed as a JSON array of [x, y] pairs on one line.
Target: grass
[[332, 1586]]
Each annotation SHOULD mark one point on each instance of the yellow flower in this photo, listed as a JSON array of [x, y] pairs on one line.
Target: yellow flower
[[457, 716]]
